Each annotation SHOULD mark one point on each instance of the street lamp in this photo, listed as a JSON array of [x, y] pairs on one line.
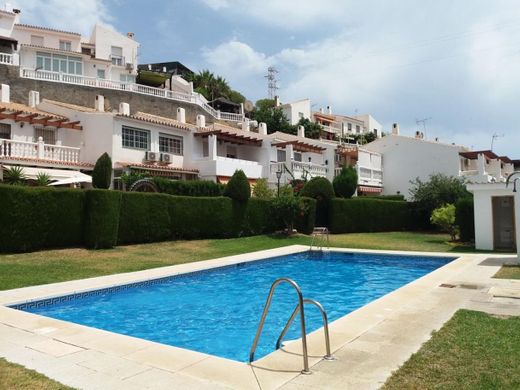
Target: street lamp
[[278, 177], [516, 200]]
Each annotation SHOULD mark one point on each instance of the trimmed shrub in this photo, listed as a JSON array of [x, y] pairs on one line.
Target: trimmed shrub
[[319, 188], [102, 218], [102, 173], [465, 219], [144, 217], [189, 187], [259, 218], [37, 218], [388, 197], [287, 209], [359, 215], [261, 190], [238, 187], [444, 218], [345, 184], [306, 217]]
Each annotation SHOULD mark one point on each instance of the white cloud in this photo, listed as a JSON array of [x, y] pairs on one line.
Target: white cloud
[[76, 16]]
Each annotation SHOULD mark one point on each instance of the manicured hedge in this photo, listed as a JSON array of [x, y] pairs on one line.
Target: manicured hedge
[[306, 220], [102, 218], [368, 215], [36, 218], [465, 219], [189, 187], [388, 197]]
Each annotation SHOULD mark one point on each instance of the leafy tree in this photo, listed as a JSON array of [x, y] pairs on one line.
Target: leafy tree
[[444, 218], [102, 173], [320, 189], [438, 191], [238, 187], [286, 190], [312, 129], [213, 87], [365, 138], [15, 176], [262, 190], [42, 179], [272, 116], [287, 208], [236, 97], [345, 183]]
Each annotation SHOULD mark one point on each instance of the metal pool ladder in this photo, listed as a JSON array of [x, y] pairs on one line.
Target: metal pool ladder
[[299, 308], [320, 236]]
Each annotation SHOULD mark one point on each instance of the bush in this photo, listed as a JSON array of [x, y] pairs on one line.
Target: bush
[[306, 217], [102, 173], [189, 187], [238, 187], [360, 215], [261, 190], [259, 218], [144, 217], [102, 218], [438, 191], [388, 197], [465, 219], [345, 184], [287, 209], [37, 218], [444, 218], [319, 188]]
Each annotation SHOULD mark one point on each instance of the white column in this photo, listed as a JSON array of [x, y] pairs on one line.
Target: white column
[[40, 148], [517, 223], [212, 147], [289, 156], [5, 93]]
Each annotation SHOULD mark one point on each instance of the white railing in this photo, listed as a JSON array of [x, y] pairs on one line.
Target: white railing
[[370, 176], [277, 167], [313, 169], [6, 59], [38, 150], [194, 98]]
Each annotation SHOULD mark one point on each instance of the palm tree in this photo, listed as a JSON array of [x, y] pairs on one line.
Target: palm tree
[[42, 179], [14, 176]]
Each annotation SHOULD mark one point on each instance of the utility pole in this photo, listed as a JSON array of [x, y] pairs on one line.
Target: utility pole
[[494, 137], [272, 82], [423, 121]]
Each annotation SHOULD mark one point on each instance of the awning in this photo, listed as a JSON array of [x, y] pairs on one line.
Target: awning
[[369, 189], [56, 176]]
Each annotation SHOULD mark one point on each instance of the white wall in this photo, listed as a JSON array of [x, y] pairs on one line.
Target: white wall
[[371, 124], [406, 158], [6, 24], [292, 110], [51, 39], [104, 38]]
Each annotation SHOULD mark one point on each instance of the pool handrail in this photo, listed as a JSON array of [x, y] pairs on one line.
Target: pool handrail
[[302, 321], [328, 355]]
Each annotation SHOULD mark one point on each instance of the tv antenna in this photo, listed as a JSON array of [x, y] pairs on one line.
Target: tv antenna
[[494, 137], [423, 121], [272, 82]]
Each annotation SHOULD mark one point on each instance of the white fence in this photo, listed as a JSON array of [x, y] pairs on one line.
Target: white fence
[[38, 150], [8, 59], [194, 98]]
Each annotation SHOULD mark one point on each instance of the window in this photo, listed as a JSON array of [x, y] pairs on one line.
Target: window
[[48, 135], [5, 131], [349, 126], [357, 129], [36, 40], [205, 148], [117, 56], [101, 73], [300, 115], [297, 156], [231, 152], [127, 78], [280, 155], [66, 45], [59, 63], [170, 144], [135, 138]]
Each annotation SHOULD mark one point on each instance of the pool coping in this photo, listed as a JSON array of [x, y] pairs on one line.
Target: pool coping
[[70, 343]]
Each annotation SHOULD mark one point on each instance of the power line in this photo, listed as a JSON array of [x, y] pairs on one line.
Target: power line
[[272, 82]]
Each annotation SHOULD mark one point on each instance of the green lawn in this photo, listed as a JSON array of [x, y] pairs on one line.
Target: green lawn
[[471, 351], [14, 376], [508, 272], [28, 269]]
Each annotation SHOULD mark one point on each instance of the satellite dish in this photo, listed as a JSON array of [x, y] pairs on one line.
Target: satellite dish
[[248, 105]]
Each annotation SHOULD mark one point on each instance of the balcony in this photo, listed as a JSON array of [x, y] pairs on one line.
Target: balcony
[[297, 170], [117, 60], [193, 98], [225, 166], [38, 150], [9, 59], [366, 176]]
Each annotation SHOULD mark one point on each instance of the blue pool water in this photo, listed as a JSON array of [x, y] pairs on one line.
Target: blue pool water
[[217, 312]]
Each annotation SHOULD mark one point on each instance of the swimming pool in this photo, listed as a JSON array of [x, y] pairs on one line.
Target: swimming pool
[[217, 311]]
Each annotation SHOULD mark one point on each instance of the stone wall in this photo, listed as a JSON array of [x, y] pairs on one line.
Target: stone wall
[[85, 96]]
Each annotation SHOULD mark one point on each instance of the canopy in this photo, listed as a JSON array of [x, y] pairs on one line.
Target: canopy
[[56, 176]]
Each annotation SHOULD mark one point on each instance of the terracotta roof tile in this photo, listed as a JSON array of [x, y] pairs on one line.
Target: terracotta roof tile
[[46, 29], [15, 107], [70, 106], [43, 161], [159, 120], [157, 167]]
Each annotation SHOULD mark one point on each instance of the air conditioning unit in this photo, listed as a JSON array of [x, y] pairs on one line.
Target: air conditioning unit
[[150, 156], [166, 158], [129, 66]]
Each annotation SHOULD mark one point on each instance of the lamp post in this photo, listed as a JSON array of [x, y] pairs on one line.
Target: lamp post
[[278, 177], [516, 207]]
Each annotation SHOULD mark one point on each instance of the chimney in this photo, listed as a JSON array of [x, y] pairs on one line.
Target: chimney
[[245, 125], [130, 35], [277, 101], [34, 98], [262, 128], [419, 135], [124, 109], [181, 115], [201, 121], [329, 110], [5, 94], [395, 129], [321, 110], [301, 131], [100, 103]]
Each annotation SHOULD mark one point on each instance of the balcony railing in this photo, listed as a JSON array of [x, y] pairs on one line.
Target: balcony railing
[[38, 150], [194, 98], [8, 59], [313, 169], [367, 176]]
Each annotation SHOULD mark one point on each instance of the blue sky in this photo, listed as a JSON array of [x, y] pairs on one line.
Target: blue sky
[[454, 61]]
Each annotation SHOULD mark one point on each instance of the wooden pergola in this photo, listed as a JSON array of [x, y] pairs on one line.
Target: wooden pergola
[[231, 137], [301, 146], [20, 113]]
